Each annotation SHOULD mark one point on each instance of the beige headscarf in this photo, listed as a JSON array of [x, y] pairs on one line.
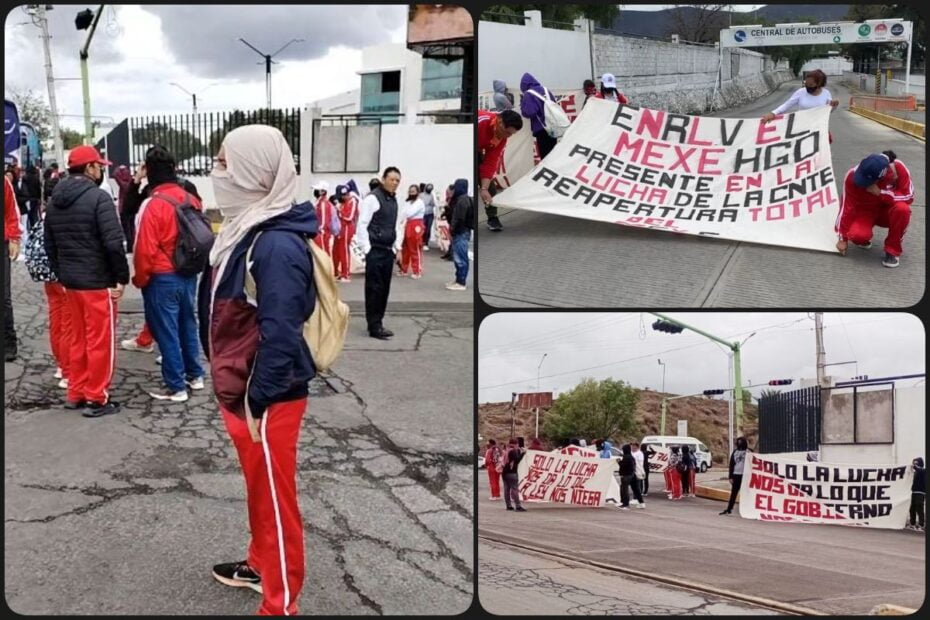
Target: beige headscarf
[[259, 182]]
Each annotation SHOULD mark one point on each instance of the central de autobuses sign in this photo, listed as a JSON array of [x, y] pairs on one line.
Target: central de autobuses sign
[[875, 31]]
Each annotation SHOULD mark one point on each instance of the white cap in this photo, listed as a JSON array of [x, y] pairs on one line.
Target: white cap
[[608, 80], [322, 186]]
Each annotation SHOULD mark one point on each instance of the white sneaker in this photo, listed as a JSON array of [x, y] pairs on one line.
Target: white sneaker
[[158, 360], [641, 506], [175, 397], [455, 286], [130, 344], [63, 384], [196, 384], [426, 248], [58, 374], [416, 276]]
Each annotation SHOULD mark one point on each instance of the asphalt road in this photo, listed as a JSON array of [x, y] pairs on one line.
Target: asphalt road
[[542, 260], [833, 569], [519, 582], [127, 514]]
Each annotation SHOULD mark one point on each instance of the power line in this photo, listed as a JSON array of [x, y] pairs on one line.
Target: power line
[[561, 334]]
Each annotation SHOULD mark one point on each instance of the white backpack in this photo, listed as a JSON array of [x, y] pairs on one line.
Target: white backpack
[[556, 119]]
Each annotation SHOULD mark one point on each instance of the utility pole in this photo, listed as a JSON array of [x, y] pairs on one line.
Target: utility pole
[[268, 63], [821, 354], [50, 79], [85, 79], [663, 375]]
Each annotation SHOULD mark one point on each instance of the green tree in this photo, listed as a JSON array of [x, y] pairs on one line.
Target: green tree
[[71, 138], [556, 15], [181, 142], [286, 121], [768, 392], [594, 409], [33, 110]]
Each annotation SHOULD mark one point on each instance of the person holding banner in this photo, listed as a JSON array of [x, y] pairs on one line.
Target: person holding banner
[[672, 477], [628, 467], [493, 132], [877, 192], [609, 90], [533, 107], [737, 463], [814, 94], [918, 496], [511, 479]]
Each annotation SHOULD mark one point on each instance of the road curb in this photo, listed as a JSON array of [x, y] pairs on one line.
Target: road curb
[[891, 610], [781, 606], [721, 495], [911, 128]]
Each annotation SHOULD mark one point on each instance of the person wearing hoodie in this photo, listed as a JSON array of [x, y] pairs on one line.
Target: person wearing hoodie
[[685, 469], [590, 91], [12, 235], [463, 216], [493, 133], [609, 90], [348, 214], [533, 108], [503, 98], [324, 215], [918, 495], [123, 179], [603, 447], [259, 360], [85, 247], [169, 297], [672, 477], [627, 476], [429, 212], [737, 462]]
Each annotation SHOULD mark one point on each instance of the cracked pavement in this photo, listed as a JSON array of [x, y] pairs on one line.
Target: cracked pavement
[[512, 581], [126, 514]]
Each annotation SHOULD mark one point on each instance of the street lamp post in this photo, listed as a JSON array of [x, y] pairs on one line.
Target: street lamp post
[[663, 375], [268, 63], [537, 390], [193, 95], [80, 24]]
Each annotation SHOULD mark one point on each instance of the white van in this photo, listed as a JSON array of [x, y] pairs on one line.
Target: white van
[[701, 452]]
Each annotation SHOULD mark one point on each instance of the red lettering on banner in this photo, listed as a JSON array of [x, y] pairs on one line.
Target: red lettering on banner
[[558, 495], [764, 503], [779, 180], [766, 128], [652, 153], [580, 174], [582, 497], [766, 483], [682, 157], [802, 509], [651, 121], [803, 168], [734, 185], [775, 212], [765, 517], [692, 133], [705, 162], [623, 143]]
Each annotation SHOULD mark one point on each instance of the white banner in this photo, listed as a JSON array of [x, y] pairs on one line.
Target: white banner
[[779, 489], [590, 453], [567, 479], [658, 462], [873, 31], [737, 179]]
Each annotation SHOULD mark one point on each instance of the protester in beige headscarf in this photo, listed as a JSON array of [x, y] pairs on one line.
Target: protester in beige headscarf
[[258, 357]]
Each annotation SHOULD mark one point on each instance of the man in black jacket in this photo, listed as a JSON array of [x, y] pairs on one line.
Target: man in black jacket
[[460, 228], [84, 242]]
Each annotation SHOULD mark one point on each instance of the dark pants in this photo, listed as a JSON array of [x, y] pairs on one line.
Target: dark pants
[[545, 141], [734, 491], [686, 482], [511, 490], [460, 256], [171, 315], [428, 224], [32, 215], [9, 331], [379, 264], [917, 509], [129, 230], [626, 482], [637, 485], [488, 209]]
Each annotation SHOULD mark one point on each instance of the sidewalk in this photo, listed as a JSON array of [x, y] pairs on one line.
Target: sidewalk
[[127, 514]]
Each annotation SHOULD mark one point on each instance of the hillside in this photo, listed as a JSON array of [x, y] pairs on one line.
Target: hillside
[[707, 420]]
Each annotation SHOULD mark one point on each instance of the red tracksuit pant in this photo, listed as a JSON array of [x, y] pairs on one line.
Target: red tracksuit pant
[[494, 477], [324, 239], [895, 218], [412, 253], [59, 325], [342, 259], [276, 551], [145, 339], [673, 483], [92, 354]]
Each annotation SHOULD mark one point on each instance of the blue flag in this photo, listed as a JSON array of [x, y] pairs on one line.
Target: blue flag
[[11, 137]]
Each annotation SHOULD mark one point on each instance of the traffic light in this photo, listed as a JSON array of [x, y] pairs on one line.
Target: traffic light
[[781, 381], [667, 327], [713, 392], [84, 19]]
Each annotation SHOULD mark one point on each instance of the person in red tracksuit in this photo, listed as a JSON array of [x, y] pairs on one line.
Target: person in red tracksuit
[[411, 257], [493, 460], [672, 475], [11, 238], [260, 362], [85, 247], [877, 192], [324, 215], [493, 131], [348, 215]]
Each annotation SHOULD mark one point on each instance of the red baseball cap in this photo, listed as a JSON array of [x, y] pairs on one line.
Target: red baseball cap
[[85, 154]]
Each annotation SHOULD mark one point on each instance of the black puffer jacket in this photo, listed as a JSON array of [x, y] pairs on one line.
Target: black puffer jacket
[[83, 236]]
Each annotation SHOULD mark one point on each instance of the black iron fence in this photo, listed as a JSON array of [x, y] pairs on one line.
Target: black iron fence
[[790, 421], [194, 139]]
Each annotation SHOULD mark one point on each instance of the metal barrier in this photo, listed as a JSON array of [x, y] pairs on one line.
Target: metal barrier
[[881, 104]]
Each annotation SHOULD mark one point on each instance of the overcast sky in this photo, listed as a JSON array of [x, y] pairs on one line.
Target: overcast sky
[[138, 50], [512, 344]]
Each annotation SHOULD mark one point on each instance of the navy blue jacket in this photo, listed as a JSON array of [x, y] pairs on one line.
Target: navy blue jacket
[[262, 346]]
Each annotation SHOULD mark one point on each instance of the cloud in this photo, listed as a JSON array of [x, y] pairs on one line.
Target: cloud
[[204, 39]]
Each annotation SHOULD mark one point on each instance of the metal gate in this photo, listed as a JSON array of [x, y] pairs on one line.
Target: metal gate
[[790, 421]]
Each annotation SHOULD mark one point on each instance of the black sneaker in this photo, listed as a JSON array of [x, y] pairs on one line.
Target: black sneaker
[[890, 261], [96, 410], [509, 507], [74, 405], [725, 512], [237, 575], [495, 224], [521, 509], [10, 355]]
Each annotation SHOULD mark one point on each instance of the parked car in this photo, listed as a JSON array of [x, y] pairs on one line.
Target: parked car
[[701, 452]]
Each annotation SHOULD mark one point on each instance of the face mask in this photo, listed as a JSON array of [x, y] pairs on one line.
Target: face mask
[[811, 90], [227, 195], [99, 180], [316, 193]]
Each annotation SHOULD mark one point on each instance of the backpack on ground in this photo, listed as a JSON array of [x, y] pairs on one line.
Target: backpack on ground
[[556, 119], [36, 257], [195, 236], [325, 330]]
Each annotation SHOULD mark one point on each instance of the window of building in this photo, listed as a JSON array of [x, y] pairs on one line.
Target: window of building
[[381, 93], [442, 79]]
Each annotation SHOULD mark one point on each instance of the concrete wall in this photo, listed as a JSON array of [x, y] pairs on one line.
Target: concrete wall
[[894, 88], [830, 66]]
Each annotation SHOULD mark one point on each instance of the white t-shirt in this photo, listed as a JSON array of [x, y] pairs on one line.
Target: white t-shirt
[[802, 100], [414, 210]]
